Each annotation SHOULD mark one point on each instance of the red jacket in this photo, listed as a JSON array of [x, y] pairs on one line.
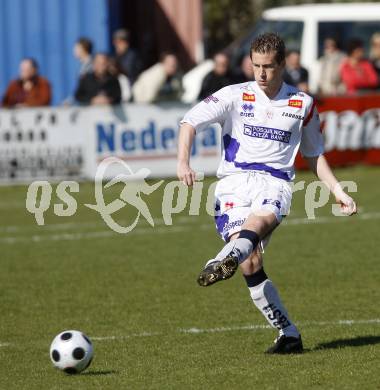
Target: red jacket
[[39, 95], [363, 75]]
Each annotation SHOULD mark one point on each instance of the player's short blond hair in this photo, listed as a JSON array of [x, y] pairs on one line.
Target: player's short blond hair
[[269, 42]]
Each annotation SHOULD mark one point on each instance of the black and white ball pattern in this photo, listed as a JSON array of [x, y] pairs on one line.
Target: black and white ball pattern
[[71, 351]]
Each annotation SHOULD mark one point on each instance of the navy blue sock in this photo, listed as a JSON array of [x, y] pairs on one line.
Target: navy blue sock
[[256, 278], [251, 236]]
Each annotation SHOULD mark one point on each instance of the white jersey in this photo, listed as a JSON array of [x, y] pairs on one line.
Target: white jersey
[[258, 133]]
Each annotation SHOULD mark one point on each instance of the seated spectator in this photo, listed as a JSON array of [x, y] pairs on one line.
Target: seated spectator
[[127, 59], [99, 86], [294, 73], [218, 78], [161, 82], [245, 73], [356, 72], [375, 55], [30, 90], [125, 85], [330, 82], [83, 52]]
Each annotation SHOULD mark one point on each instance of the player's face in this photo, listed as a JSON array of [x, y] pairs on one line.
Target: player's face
[[268, 73]]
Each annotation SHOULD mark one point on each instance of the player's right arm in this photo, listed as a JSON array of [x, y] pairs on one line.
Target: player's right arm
[[211, 110]]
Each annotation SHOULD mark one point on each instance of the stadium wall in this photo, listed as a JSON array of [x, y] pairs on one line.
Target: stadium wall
[[47, 30], [57, 143]]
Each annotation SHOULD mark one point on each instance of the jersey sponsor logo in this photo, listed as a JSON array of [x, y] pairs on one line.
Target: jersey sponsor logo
[[267, 133], [228, 205], [247, 114], [296, 103], [211, 98], [295, 94], [294, 116], [249, 97], [247, 108]]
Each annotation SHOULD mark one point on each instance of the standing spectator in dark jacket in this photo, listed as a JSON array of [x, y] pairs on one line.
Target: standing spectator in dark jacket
[[218, 78], [99, 86], [125, 86], [30, 90], [294, 73], [83, 52], [356, 72], [127, 58]]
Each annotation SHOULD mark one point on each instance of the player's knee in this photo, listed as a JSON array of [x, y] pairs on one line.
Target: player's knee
[[261, 224]]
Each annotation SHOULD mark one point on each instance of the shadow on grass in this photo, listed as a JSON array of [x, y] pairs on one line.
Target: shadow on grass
[[99, 372], [359, 341]]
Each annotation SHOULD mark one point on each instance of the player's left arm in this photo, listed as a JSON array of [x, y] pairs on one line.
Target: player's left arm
[[322, 170], [312, 148]]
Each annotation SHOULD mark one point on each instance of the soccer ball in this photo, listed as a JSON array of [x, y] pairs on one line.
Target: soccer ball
[[71, 351]]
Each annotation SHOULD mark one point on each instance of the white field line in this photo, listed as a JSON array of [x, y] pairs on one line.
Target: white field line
[[12, 205], [183, 225], [87, 224], [180, 220], [224, 329], [332, 219], [90, 235]]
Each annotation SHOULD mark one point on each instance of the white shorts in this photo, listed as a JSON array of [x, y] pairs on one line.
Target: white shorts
[[240, 194]]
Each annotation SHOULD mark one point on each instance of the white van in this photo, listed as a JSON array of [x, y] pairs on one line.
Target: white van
[[304, 28]]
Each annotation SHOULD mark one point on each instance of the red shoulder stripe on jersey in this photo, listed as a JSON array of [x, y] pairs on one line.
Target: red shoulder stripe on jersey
[[309, 115]]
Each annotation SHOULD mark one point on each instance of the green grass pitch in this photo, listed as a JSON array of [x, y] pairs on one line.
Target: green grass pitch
[[154, 328]]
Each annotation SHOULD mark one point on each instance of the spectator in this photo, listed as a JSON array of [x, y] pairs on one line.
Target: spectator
[[161, 82], [30, 90], [218, 78], [99, 86], [294, 73], [329, 82], [124, 83], [83, 52], [375, 55], [127, 58], [356, 72], [245, 73]]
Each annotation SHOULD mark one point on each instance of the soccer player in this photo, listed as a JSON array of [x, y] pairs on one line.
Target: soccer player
[[264, 123]]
